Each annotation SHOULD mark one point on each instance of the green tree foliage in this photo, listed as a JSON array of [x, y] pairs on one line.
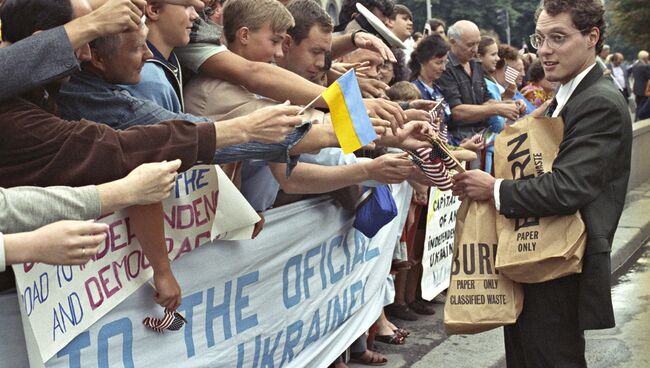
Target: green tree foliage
[[629, 21], [481, 12]]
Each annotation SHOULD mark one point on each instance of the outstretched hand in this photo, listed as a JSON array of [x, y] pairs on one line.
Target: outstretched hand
[[416, 134], [272, 124], [116, 16], [387, 110], [372, 88], [391, 168], [68, 242], [151, 182], [367, 41]]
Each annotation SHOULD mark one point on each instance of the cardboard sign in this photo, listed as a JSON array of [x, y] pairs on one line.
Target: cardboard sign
[[60, 302], [439, 242]]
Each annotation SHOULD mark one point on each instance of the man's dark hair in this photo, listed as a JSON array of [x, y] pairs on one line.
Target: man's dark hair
[[401, 9], [428, 48], [21, 18], [434, 23], [585, 15], [536, 72], [506, 52], [349, 7], [306, 14]]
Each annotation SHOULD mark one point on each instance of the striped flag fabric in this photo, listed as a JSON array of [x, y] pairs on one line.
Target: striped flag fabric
[[511, 75], [172, 321], [350, 119], [435, 163]]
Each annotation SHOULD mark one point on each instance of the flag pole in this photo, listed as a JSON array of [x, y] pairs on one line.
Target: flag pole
[[308, 105]]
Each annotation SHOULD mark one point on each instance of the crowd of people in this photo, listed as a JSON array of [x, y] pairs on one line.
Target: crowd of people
[[104, 102]]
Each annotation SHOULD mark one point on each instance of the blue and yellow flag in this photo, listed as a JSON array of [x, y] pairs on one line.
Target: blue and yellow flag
[[349, 116]]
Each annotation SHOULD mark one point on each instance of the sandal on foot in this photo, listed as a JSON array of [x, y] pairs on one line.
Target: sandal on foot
[[402, 332], [394, 339], [375, 348], [368, 358]]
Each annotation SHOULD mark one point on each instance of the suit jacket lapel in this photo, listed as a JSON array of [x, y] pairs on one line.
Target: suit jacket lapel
[[592, 77]]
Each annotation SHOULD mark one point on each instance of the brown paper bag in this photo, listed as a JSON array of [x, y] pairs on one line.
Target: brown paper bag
[[535, 249], [479, 298]]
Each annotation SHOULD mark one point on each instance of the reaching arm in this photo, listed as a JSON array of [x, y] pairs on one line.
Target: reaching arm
[[27, 208], [262, 78], [109, 17], [146, 184], [344, 44], [319, 136], [473, 113], [322, 136], [311, 178], [60, 243], [147, 222]]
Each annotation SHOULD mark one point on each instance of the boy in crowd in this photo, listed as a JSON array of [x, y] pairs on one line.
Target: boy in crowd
[[161, 78], [256, 30]]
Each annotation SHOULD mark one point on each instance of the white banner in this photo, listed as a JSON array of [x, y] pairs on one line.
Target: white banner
[[60, 302], [439, 242], [291, 297]]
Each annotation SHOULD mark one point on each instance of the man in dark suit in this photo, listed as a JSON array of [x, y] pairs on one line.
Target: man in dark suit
[[590, 175], [640, 72]]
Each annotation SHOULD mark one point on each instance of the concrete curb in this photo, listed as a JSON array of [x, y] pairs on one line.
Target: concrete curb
[[633, 228]]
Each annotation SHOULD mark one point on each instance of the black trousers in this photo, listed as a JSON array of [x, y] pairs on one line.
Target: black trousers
[[640, 100], [547, 334]]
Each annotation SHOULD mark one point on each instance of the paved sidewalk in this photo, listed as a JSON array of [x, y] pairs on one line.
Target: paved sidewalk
[[429, 346]]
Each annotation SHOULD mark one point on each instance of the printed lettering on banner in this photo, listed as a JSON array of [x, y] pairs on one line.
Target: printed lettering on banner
[[61, 302], [293, 298]]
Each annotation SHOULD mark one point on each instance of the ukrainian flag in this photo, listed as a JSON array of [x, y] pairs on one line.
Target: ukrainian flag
[[349, 116]]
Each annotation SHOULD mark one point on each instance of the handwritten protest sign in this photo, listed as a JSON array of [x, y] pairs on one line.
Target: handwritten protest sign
[[60, 302], [439, 242]]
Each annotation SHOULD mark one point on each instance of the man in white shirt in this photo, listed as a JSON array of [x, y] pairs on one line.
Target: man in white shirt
[[619, 74], [590, 175]]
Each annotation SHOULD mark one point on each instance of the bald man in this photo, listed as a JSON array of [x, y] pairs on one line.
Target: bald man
[[463, 86], [619, 73]]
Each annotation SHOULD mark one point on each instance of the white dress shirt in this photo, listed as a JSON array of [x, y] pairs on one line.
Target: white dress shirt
[[562, 96], [619, 77]]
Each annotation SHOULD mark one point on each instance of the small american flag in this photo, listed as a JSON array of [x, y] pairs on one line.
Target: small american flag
[[434, 162], [511, 75], [172, 321]]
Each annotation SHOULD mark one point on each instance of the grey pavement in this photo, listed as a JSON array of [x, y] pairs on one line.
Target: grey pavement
[[429, 346]]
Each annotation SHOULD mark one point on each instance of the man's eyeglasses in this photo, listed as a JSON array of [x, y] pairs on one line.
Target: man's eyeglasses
[[554, 40]]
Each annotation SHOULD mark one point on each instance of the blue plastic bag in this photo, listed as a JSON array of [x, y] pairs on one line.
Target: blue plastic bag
[[376, 208]]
